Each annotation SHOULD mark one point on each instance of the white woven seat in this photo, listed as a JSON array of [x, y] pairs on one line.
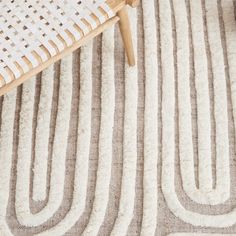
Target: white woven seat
[[33, 32]]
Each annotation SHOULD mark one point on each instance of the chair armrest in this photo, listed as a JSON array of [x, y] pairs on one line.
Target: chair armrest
[[132, 3]]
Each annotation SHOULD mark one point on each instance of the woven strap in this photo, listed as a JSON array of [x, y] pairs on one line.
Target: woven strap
[[33, 31]]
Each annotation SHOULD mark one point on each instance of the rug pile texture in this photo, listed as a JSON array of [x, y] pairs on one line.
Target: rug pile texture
[[94, 147]]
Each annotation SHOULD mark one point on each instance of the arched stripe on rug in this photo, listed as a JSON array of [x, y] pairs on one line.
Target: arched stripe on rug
[[40, 165], [188, 216], [103, 174], [83, 148], [57, 174]]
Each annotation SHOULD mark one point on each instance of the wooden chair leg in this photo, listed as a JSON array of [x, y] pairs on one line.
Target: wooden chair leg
[[125, 30]]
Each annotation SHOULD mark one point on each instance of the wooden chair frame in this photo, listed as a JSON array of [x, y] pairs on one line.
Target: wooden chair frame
[[120, 9]]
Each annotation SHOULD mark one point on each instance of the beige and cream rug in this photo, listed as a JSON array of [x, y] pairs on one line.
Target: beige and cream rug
[[93, 147]]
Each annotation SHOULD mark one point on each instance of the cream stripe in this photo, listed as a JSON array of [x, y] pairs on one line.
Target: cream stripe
[[24, 151], [6, 147], [149, 220], [59, 153], [105, 136], [84, 135], [42, 135], [126, 207]]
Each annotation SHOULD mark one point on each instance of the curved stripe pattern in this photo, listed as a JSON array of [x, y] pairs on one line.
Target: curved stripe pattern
[[105, 136], [68, 166], [221, 193], [84, 134], [42, 135], [23, 213]]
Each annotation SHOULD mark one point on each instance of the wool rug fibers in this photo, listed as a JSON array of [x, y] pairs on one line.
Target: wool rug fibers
[[93, 147]]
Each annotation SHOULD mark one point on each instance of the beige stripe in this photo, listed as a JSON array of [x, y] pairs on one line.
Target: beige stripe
[[149, 221]]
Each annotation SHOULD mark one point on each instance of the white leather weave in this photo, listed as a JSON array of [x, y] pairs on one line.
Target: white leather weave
[[33, 31]]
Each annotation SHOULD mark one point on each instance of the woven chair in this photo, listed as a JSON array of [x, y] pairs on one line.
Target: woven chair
[[36, 33]]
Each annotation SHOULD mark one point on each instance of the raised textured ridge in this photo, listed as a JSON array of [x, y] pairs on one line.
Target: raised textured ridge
[[94, 147]]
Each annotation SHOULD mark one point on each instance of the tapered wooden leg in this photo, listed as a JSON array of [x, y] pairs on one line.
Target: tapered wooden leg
[[125, 30]]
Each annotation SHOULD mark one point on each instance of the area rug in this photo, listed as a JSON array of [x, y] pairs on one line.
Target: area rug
[[94, 147]]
